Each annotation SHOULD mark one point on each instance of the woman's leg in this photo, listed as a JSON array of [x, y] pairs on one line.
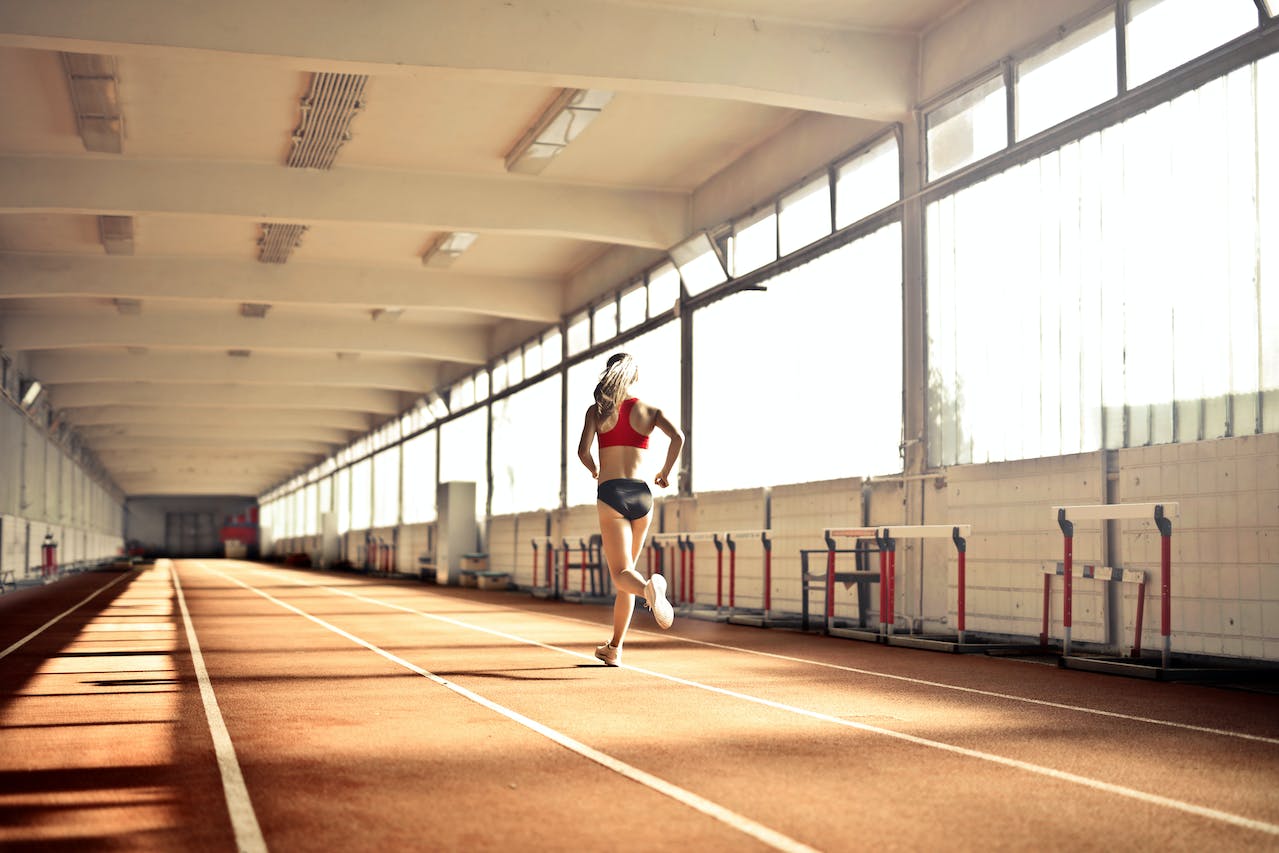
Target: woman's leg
[[618, 536]]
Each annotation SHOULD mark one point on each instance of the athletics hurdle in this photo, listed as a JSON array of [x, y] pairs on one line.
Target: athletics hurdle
[[826, 580], [760, 617], [1160, 514], [1101, 573], [589, 563], [550, 590]]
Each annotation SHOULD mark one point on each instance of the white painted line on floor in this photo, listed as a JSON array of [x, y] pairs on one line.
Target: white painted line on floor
[[1062, 706], [244, 822], [739, 822], [38, 631], [1060, 775], [993, 694]]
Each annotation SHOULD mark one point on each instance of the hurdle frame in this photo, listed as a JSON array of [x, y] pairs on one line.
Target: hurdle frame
[[829, 577], [551, 590], [1161, 512], [1108, 574]]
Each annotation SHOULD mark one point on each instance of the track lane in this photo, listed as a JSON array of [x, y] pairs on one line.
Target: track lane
[[670, 661], [407, 763]]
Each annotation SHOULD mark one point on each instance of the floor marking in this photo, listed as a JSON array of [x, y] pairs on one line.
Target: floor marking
[[1060, 775], [993, 694], [736, 821], [940, 684], [38, 631], [244, 822]]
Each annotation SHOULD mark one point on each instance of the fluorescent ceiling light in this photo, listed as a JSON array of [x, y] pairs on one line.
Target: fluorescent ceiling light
[[256, 310], [131, 307], [238, 353], [116, 233], [561, 123], [387, 314], [447, 249], [699, 264], [32, 394]]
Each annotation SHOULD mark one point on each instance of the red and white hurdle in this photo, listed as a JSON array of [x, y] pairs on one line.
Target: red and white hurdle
[[1161, 514]]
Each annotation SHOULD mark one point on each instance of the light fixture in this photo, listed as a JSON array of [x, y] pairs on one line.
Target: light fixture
[[116, 234], [700, 265], [438, 407], [561, 123], [31, 394], [444, 251], [130, 307], [238, 353], [386, 314], [256, 310]]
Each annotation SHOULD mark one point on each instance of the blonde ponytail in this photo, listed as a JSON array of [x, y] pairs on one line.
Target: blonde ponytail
[[615, 381]]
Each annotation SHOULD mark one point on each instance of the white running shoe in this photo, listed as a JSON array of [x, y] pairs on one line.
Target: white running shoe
[[611, 655], [655, 598]]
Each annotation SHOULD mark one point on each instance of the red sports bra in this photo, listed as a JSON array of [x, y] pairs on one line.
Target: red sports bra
[[623, 434]]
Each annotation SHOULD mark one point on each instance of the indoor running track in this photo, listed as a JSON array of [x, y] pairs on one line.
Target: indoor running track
[[210, 705]]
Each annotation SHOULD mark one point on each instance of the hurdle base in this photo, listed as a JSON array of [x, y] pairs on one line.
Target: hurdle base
[[702, 611], [760, 619], [950, 644], [854, 632], [1179, 670], [576, 597]]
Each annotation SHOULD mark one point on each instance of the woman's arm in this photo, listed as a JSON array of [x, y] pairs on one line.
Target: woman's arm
[[672, 453], [584, 444]]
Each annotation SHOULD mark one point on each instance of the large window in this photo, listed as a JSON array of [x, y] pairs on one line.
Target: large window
[[1163, 34], [362, 495], [1116, 292], [419, 478], [386, 487], [464, 454], [803, 381], [1067, 78], [526, 449], [342, 498], [968, 128], [658, 355], [867, 182]]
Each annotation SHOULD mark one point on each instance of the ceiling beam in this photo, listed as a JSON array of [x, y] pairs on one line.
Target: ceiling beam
[[66, 366], [19, 333], [30, 275], [95, 433], [568, 43], [114, 415], [264, 192], [212, 400], [199, 446]]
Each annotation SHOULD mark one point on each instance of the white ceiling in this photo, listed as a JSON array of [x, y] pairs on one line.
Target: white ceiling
[[210, 96]]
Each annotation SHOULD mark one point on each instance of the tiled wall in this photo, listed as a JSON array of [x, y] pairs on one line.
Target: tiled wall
[[1014, 533], [1225, 545], [799, 515]]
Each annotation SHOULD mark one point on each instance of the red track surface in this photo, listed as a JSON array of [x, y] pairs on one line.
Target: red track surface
[[449, 719]]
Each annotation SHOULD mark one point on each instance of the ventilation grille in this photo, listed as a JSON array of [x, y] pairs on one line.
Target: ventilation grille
[[278, 241], [95, 97], [327, 110]]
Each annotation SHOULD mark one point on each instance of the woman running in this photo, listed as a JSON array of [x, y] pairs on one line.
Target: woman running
[[623, 424]]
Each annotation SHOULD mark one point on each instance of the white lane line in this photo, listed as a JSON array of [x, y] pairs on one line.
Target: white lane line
[[244, 822], [1062, 706], [739, 822], [993, 694], [38, 631], [1060, 775]]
